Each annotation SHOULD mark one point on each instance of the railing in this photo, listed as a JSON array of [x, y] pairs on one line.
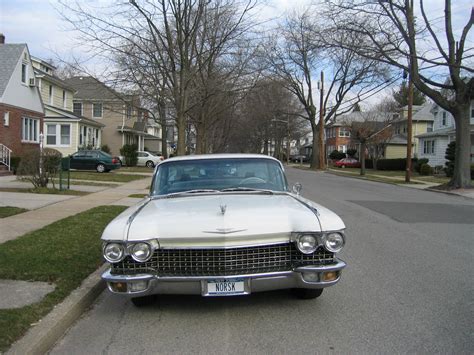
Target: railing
[[5, 156]]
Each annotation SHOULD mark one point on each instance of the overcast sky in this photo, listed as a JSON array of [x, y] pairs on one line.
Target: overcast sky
[[37, 23]]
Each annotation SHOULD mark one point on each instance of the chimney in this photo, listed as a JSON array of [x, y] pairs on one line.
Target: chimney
[[2, 38]]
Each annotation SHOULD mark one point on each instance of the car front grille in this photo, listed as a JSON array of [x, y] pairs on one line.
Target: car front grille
[[214, 262]]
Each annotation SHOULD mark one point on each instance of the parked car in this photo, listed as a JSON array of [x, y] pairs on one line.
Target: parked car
[[221, 225], [145, 158], [298, 158], [149, 159], [347, 163], [93, 160]]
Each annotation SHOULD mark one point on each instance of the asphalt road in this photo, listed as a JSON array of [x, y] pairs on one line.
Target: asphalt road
[[408, 288]]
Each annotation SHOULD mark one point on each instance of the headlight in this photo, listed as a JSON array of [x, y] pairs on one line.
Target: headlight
[[141, 252], [307, 243], [334, 242], [113, 252]]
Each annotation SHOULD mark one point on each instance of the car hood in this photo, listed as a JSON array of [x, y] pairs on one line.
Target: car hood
[[221, 220]]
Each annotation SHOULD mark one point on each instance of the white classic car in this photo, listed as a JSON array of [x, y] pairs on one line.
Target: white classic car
[[221, 225]]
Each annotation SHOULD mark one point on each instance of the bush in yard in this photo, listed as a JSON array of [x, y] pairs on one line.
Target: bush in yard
[[426, 169], [351, 152], [105, 148], [449, 156], [14, 163], [369, 164], [30, 164], [337, 155], [419, 163], [129, 151], [391, 164]]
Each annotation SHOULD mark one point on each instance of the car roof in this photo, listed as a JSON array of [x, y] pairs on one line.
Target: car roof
[[222, 156]]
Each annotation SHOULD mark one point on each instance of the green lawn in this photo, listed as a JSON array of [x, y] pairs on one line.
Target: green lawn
[[63, 253], [138, 195], [112, 176], [7, 211], [44, 190], [135, 169]]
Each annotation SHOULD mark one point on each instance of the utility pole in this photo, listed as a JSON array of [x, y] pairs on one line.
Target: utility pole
[[410, 100], [321, 124]]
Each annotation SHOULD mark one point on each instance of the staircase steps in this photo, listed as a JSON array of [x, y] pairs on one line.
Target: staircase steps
[[4, 171]]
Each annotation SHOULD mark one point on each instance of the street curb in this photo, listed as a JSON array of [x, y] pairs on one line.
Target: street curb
[[41, 338], [448, 193]]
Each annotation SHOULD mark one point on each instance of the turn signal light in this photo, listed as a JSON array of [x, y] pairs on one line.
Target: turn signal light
[[118, 286], [329, 276]]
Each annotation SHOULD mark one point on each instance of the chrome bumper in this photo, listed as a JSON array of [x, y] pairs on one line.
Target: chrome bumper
[[300, 277]]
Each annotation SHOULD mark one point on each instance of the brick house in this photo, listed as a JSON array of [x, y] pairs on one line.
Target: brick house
[[21, 107]]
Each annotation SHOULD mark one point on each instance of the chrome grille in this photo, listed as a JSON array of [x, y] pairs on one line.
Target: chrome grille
[[214, 262]]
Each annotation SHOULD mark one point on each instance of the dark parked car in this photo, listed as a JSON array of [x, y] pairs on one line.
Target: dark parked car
[[298, 158], [94, 160]]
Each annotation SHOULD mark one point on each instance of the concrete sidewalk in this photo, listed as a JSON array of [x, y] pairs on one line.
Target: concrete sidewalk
[[15, 226]]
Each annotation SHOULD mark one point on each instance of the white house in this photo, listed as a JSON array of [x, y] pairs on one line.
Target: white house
[[432, 145]]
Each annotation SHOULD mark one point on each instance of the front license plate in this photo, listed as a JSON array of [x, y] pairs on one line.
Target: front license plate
[[225, 287]]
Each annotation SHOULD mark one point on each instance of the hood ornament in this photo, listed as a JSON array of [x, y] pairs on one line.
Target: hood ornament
[[225, 231], [223, 209]]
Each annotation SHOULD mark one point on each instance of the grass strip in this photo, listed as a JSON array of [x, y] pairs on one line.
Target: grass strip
[[138, 195], [135, 169], [7, 211], [112, 176], [44, 190], [64, 253]]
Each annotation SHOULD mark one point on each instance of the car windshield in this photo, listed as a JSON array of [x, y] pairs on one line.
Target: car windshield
[[206, 175]]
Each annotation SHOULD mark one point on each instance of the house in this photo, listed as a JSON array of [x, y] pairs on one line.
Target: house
[[339, 135], [422, 122], [121, 115], [433, 144], [64, 130], [21, 108]]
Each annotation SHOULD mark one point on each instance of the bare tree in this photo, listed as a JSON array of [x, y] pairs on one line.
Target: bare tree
[[439, 62], [299, 51]]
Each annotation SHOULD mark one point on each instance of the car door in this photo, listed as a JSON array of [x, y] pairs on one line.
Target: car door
[[78, 160], [91, 160], [142, 158]]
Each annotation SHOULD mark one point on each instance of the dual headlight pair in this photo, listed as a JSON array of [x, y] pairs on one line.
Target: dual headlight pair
[[140, 251], [308, 243]]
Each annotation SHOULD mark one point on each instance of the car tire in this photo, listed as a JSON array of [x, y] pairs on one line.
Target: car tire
[[100, 168], [150, 164], [144, 301], [307, 293]]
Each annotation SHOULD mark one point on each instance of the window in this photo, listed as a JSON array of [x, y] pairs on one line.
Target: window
[[342, 148], [472, 113], [443, 122], [129, 112], [344, 132], [77, 108], [57, 134], [429, 127], [97, 110], [429, 147], [6, 119], [64, 98], [24, 72], [51, 94], [29, 130]]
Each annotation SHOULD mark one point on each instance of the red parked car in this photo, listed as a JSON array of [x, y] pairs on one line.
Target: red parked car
[[347, 163]]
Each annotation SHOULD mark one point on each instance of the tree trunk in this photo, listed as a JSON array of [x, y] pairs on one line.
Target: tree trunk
[[462, 165], [164, 143], [181, 123], [315, 153], [362, 160]]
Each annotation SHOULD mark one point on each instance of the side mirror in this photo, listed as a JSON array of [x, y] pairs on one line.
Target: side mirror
[[297, 188]]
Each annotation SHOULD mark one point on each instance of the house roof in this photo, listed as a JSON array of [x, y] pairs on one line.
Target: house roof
[[420, 113], [359, 116], [54, 79], [68, 115], [398, 139], [89, 88], [9, 56], [437, 133]]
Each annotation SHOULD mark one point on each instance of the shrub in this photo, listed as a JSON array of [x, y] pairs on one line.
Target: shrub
[[351, 152], [426, 169], [105, 148], [129, 151], [14, 163], [450, 156], [369, 164], [337, 155], [472, 171], [419, 163], [391, 164], [30, 164]]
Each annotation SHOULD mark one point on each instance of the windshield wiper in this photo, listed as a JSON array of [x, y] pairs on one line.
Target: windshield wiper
[[180, 193], [240, 188]]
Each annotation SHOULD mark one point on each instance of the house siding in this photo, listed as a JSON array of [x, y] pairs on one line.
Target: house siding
[[395, 151], [11, 135], [72, 147], [440, 150]]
